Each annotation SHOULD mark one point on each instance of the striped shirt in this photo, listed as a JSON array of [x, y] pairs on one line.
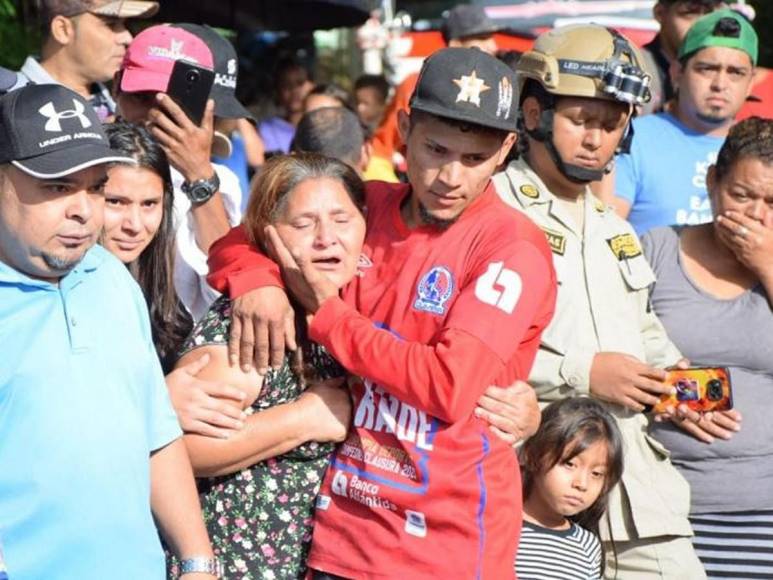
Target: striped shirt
[[545, 554], [735, 544]]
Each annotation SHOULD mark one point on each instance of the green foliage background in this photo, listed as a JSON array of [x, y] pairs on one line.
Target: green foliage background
[[19, 35]]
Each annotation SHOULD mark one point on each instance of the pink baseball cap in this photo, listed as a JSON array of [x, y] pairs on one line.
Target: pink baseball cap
[[150, 57]]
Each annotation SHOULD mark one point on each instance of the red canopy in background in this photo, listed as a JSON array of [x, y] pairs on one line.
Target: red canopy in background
[[425, 43], [762, 91]]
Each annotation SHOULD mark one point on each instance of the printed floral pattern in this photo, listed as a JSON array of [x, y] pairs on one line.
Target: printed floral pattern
[[260, 519]]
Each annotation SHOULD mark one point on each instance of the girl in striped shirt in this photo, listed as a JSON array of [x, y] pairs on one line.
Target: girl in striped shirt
[[569, 466]]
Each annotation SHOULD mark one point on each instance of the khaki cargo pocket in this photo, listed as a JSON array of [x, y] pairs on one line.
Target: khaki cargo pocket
[[659, 449], [636, 272]]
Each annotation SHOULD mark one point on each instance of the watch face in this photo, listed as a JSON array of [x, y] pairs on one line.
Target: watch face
[[200, 192]]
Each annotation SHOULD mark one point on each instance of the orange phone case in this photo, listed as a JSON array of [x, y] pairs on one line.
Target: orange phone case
[[701, 389]]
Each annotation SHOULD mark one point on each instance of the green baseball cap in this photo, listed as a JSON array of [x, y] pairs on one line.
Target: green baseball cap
[[721, 28]]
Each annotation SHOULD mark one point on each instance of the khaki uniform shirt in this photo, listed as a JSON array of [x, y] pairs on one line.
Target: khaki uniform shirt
[[603, 306]]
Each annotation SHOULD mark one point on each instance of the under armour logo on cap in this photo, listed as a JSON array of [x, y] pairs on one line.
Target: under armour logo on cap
[[54, 118], [49, 131]]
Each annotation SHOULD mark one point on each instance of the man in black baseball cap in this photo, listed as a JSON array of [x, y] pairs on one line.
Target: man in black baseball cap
[[49, 133], [468, 26], [466, 100], [454, 290], [464, 26], [78, 351]]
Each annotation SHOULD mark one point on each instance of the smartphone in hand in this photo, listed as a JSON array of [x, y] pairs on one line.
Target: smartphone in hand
[[189, 87], [702, 389]]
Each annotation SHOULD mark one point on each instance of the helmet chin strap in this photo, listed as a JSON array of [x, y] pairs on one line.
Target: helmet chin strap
[[575, 173]]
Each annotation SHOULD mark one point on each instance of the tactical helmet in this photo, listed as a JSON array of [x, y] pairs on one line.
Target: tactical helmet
[[586, 60], [582, 60]]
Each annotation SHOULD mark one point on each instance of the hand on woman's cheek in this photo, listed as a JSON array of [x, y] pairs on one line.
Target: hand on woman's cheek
[[309, 286]]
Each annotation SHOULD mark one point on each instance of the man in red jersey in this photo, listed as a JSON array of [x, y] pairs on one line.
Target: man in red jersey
[[454, 291]]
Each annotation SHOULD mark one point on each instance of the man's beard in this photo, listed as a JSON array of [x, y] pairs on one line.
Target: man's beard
[[710, 119], [59, 264], [429, 220]]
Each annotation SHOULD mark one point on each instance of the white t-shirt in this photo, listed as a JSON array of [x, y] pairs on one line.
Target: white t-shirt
[[190, 267]]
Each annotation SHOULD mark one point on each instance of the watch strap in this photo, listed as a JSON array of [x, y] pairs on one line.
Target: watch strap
[[202, 565], [201, 190]]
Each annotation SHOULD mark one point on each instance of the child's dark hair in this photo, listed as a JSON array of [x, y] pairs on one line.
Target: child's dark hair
[[568, 428]]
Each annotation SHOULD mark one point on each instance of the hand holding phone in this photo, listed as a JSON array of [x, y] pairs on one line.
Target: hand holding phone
[[180, 121], [189, 86], [701, 389]]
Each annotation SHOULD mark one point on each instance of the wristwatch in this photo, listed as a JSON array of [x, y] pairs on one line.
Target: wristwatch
[[201, 190], [201, 565]]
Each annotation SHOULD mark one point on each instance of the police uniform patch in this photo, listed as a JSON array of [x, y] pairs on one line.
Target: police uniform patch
[[624, 246], [556, 241], [434, 290], [529, 191]]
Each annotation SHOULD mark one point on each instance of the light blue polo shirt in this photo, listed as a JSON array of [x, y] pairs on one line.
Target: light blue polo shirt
[[82, 405], [664, 175]]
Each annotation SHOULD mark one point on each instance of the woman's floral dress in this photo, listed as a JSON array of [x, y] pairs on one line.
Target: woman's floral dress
[[260, 519]]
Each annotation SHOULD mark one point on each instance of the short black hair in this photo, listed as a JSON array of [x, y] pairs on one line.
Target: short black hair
[[377, 82], [331, 131], [751, 138], [334, 91], [287, 64]]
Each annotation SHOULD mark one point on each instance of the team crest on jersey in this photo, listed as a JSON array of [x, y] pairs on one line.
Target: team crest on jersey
[[434, 290]]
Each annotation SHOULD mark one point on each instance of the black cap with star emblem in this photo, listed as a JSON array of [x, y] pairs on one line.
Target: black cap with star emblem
[[469, 85]]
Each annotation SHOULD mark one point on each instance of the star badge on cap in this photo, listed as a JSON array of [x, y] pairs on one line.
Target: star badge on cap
[[470, 88]]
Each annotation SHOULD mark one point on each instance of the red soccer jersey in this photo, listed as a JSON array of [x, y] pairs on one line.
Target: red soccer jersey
[[421, 488]]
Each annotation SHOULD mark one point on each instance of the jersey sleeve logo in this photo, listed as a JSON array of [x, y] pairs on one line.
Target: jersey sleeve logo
[[434, 290], [499, 287]]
